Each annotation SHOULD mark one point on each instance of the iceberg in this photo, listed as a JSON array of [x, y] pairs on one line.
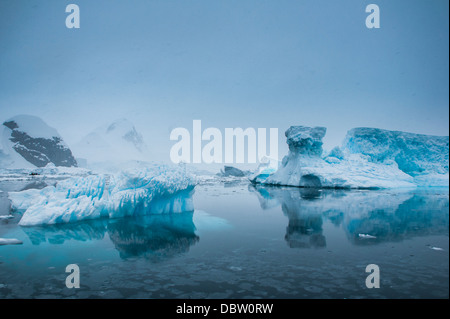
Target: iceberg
[[154, 190], [424, 157], [368, 158]]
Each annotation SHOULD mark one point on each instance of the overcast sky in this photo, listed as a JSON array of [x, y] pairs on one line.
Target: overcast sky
[[229, 63]]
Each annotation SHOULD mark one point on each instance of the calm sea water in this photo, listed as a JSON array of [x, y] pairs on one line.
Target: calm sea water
[[242, 242]]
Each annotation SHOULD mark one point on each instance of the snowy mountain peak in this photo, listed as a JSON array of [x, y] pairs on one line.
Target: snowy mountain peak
[[27, 141], [118, 141], [33, 125], [125, 129]]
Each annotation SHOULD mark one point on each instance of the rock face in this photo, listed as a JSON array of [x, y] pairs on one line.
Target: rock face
[[36, 142], [369, 158]]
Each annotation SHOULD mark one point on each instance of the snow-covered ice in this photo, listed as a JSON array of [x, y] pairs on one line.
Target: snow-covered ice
[[368, 158], [153, 190]]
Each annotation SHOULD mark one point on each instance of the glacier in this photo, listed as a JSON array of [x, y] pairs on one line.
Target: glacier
[[368, 158], [133, 192]]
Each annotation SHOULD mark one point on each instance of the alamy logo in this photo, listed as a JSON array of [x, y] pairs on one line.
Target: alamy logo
[[373, 19], [73, 280], [373, 280], [73, 19], [232, 145]]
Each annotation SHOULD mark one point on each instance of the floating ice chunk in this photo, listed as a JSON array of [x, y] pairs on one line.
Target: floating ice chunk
[[4, 217], [369, 158], [156, 189], [235, 268], [10, 241], [266, 167], [436, 248], [262, 175], [366, 236]]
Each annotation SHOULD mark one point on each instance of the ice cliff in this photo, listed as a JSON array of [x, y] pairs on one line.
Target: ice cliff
[[368, 158]]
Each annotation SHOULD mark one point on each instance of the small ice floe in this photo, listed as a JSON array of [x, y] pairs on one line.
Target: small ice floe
[[10, 241], [366, 236], [3, 217], [234, 268], [436, 248]]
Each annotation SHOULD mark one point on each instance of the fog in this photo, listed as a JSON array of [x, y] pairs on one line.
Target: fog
[[260, 64]]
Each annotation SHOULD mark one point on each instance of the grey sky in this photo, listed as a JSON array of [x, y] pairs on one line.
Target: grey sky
[[230, 63]]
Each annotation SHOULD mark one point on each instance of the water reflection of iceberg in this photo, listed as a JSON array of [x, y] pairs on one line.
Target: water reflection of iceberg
[[60, 233], [304, 229], [383, 215], [305, 232], [155, 236], [152, 236], [420, 215]]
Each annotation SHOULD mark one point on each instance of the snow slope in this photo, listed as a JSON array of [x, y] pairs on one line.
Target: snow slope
[[157, 189]]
